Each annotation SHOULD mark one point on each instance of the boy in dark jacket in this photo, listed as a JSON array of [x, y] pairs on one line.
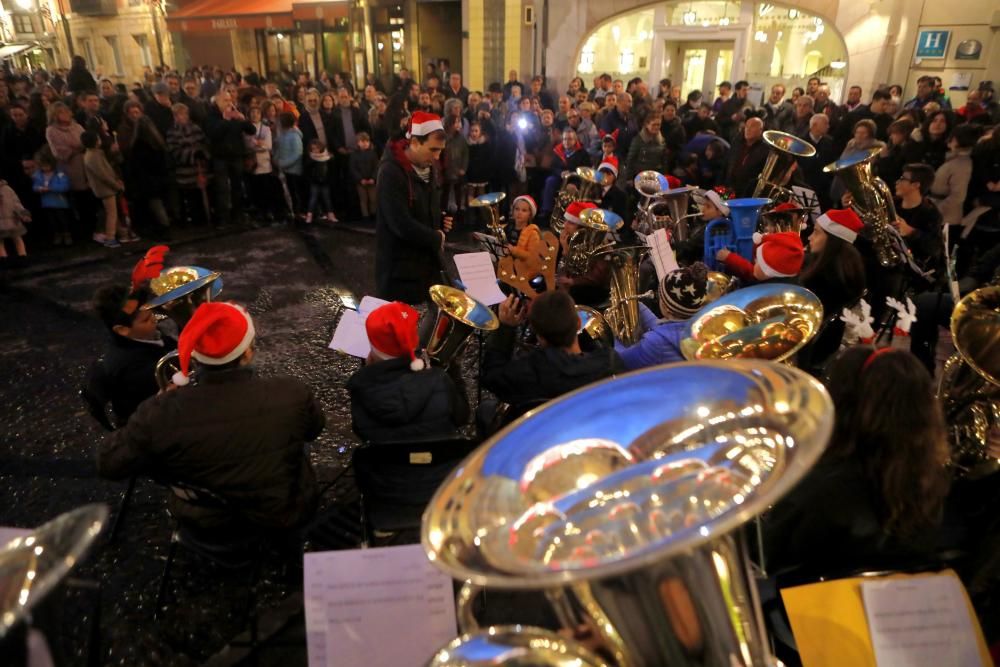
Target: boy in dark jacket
[[363, 163], [395, 397]]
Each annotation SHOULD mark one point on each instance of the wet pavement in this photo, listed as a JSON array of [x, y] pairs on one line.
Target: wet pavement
[[290, 279]]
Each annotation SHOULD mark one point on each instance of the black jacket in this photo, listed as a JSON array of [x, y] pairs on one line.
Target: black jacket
[[238, 436], [811, 168], [745, 163], [615, 200], [359, 121], [543, 373], [390, 402], [124, 375], [225, 137], [162, 117], [407, 243]]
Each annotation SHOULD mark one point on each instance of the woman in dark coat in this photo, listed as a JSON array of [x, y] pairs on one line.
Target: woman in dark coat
[[145, 165]]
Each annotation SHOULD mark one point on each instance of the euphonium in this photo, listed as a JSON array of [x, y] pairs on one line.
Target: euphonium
[[626, 510], [594, 329], [786, 149], [587, 182], [590, 240], [873, 202], [491, 201], [179, 290], [623, 312], [458, 316], [969, 389]]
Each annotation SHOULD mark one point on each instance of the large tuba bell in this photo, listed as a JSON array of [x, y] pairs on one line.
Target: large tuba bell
[[873, 202], [594, 330], [626, 510], [491, 201], [458, 316], [579, 185], [662, 207], [591, 239], [970, 383], [622, 314], [772, 321], [179, 291], [786, 149]]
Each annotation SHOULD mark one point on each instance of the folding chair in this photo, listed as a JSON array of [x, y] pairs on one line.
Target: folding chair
[[397, 480]]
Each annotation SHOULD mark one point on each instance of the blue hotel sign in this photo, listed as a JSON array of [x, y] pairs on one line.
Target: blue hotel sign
[[932, 43]]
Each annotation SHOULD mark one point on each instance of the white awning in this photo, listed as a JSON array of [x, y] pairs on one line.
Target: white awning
[[9, 50]]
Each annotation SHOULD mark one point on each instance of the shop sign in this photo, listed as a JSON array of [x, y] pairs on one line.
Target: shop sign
[[932, 43], [969, 49], [223, 24]]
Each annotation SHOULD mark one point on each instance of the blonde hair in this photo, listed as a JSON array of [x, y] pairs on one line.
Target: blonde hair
[[53, 112]]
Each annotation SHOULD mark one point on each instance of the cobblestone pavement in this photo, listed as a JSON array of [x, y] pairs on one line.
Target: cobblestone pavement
[[290, 279]]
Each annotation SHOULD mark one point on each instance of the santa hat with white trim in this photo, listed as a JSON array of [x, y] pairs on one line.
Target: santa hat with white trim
[[780, 254], [218, 333], [423, 123], [529, 200], [574, 210], [842, 223], [609, 163], [392, 332]]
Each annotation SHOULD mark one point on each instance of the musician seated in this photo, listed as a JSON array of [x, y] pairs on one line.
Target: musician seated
[[779, 258], [919, 221], [712, 207], [786, 216], [556, 366], [590, 288], [876, 497], [396, 397], [124, 376], [523, 235], [239, 436], [681, 294], [612, 198], [567, 156]]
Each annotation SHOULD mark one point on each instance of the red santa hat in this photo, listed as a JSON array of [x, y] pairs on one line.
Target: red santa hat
[[842, 223], [423, 123], [392, 332], [574, 210], [218, 333], [611, 164], [780, 254], [673, 182], [150, 266], [529, 200]]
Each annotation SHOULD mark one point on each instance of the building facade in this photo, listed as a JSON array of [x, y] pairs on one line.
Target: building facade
[[29, 34]]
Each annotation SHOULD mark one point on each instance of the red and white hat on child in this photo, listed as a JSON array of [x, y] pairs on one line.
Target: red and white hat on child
[[423, 123], [219, 332], [392, 332], [574, 210], [610, 163], [529, 200], [780, 254], [842, 223], [150, 266]]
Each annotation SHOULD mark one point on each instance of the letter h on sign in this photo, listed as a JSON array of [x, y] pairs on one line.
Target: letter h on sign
[[932, 43]]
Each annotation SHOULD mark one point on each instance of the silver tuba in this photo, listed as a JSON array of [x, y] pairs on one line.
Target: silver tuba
[[786, 149], [662, 207], [458, 316], [627, 511]]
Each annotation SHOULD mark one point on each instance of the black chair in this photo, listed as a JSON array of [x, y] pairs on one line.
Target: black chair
[[98, 410], [396, 481]]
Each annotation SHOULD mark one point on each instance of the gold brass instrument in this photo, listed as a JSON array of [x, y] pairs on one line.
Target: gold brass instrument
[[167, 366], [719, 284], [491, 202], [594, 329], [786, 149], [622, 314], [179, 290], [590, 240], [458, 316], [969, 389], [770, 321], [626, 511], [873, 202], [580, 185], [662, 207]]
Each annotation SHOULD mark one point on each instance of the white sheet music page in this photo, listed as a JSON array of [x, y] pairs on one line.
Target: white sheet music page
[[386, 607], [350, 336], [370, 303], [662, 254], [476, 271], [920, 622]]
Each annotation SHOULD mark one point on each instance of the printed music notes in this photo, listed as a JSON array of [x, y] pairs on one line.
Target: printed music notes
[[386, 607], [661, 253], [476, 271]]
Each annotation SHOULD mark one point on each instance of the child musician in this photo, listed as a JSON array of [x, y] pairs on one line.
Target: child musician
[[779, 258]]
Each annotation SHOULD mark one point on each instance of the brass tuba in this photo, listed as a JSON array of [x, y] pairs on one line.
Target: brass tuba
[[585, 181], [662, 207], [458, 316], [786, 149], [594, 329], [873, 202], [179, 291], [969, 389], [491, 201], [590, 240], [771, 321], [622, 314], [627, 511]]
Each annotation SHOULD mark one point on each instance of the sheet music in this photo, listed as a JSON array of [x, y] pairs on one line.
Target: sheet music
[[370, 303], [664, 260], [386, 607], [808, 199], [920, 622], [350, 336], [476, 271]]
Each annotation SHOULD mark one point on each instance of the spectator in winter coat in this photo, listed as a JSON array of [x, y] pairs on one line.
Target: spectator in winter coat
[[106, 186], [456, 163], [567, 156], [363, 165], [648, 151], [225, 127], [190, 161], [145, 166], [288, 155], [621, 119], [951, 180], [747, 158]]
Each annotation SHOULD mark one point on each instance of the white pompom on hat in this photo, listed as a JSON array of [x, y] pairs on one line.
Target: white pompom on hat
[[392, 332]]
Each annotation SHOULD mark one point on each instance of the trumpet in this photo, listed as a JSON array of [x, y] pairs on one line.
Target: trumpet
[[491, 201], [458, 316]]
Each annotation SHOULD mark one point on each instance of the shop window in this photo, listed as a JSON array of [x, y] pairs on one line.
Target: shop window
[[145, 55], [116, 54], [22, 24]]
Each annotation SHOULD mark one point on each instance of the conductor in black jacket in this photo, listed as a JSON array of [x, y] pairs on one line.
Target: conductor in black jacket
[[409, 227]]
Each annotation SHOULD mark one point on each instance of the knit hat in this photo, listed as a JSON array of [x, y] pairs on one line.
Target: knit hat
[[715, 198], [780, 254], [611, 164], [150, 266], [392, 332], [574, 210], [423, 123], [842, 223], [683, 291], [218, 333], [529, 200]]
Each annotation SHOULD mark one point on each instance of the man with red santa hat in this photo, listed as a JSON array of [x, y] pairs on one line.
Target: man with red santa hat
[[238, 436]]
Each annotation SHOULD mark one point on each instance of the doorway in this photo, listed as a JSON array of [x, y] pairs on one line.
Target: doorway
[[699, 65]]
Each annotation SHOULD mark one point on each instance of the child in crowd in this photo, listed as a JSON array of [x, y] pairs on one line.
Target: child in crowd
[[106, 186], [363, 164], [608, 146], [456, 163], [261, 181], [12, 218], [319, 188], [288, 157], [523, 235], [52, 184], [187, 147]]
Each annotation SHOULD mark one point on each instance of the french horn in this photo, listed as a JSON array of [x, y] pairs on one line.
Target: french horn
[[458, 316], [771, 321], [786, 149], [969, 389], [626, 510]]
